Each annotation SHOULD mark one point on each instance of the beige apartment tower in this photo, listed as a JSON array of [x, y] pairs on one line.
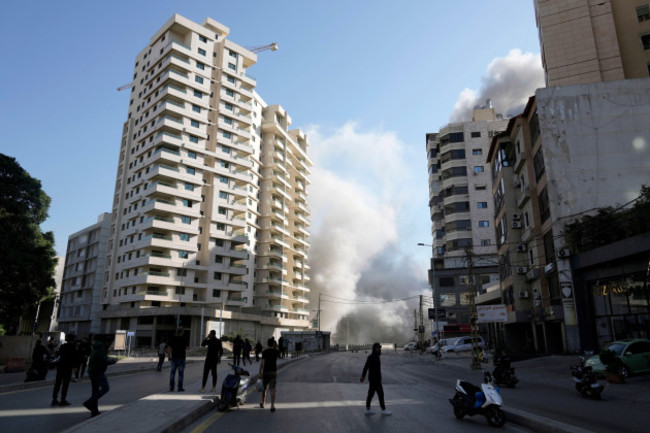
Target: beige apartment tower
[[210, 221], [586, 41]]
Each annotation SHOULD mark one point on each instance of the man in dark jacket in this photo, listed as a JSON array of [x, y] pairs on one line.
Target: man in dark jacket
[[97, 363], [39, 360], [177, 350], [212, 358], [84, 353], [373, 367], [67, 361], [237, 344]]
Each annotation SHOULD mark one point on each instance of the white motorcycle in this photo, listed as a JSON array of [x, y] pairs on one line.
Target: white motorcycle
[[471, 400], [234, 388]]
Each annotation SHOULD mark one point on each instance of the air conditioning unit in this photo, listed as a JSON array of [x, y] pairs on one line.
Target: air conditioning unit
[[537, 303], [516, 217], [521, 248], [549, 268], [516, 225], [563, 253], [523, 294], [522, 269]]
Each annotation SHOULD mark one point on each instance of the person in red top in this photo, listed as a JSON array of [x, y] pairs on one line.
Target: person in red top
[[269, 371]]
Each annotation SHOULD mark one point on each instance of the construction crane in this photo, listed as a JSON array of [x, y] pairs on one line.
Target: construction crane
[[273, 46]]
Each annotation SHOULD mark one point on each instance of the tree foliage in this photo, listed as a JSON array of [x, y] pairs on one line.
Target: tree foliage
[[610, 225], [27, 256]]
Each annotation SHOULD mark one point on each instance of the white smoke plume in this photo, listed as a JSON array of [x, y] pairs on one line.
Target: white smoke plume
[[509, 82], [354, 254]]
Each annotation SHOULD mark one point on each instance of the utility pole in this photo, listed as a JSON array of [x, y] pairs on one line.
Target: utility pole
[[319, 312], [475, 364], [415, 325], [421, 328]]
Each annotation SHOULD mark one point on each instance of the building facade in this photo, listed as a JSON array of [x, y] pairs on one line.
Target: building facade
[[574, 150], [83, 279], [210, 219], [586, 41], [462, 210]]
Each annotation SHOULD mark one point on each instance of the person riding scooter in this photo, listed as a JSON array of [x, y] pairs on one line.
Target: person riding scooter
[[503, 373]]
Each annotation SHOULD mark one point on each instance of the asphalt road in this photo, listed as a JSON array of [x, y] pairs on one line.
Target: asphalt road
[[323, 394]]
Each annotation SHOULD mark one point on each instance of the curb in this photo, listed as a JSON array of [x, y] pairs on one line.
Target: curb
[[189, 418], [540, 424]]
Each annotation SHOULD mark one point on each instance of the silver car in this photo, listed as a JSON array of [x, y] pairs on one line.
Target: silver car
[[464, 344]]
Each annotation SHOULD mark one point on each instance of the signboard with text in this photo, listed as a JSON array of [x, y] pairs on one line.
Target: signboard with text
[[492, 313]]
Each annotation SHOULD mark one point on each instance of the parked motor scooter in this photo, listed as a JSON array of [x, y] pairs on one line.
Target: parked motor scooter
[[234, 388], [471, 400], [503, 373], [586, 380]]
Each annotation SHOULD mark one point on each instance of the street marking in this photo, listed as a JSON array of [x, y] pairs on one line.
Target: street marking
[[53, 410], [205, 424]]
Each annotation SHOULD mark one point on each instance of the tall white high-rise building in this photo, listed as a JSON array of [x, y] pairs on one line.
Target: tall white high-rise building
[[462, 214], [210, 216]]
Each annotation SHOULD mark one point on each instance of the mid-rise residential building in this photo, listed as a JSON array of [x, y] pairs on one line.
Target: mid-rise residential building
[[586, 41], [83, 279], [210, 217], [574, 149], [462, 210]]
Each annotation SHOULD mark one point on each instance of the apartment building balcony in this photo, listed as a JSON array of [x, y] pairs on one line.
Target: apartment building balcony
[[279, 241], [279, 229], [523, 195], [300, 311], [275, 307], [301, 252], [299, 285], [273, 294]]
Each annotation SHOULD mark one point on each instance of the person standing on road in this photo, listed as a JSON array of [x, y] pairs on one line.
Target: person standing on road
[[97, 363], [269, 371], [246, 350], [177, 350], [67, 360], [84, 353], [373, 368], [236, 350], [162, 352], [212, 358], [281, 346], [258, 350], [39, 361]]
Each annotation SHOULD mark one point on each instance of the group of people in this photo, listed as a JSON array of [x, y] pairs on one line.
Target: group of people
[[74, 356]]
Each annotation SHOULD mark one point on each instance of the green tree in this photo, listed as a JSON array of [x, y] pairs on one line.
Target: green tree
[[27, 256]]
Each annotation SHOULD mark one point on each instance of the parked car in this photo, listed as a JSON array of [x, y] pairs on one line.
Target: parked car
[[464, 344], [442, 344], [411, 346], [633, 353]]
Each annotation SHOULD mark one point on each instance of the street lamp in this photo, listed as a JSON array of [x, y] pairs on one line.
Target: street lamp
[[433, 294]]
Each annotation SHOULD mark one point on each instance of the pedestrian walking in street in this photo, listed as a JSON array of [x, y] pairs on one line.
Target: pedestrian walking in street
[[373, 368], [176, 351], [97, 363], [246, 350], [269, 371], [39, 362], [84, 353], [281, 346], [212, 359], [237, 344], [258, 350], [162, 352], [67, 360]]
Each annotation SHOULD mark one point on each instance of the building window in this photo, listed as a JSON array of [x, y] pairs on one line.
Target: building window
[[201, 51], [233, 54], [534, 129], [482, 205], [645, 40], [191, 154], [222, 210], [221, 226], [185, 237], [216, 293], [198, 79], [544, 207], [230, 93], [194, 123], [228, 135], [219, 242], [183, 254], [200, 65], [196, 108], [203, 38], [225, 149], [223, 195], [228, 120], [477, 151], [480, 187], [484, 223], [190, 170], [232, 66], [478, 169], [538, 164], [217, 275], [485, 242], [476, 134], [187, 203], [229, 106], [186, 220], [223, 179], [230, 79], [643, 13], [189, 187], [198, 94], [194, 139], [456, 137], [218, 259]]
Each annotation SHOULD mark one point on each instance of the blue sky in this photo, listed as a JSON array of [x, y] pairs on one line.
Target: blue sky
[[351, 73]]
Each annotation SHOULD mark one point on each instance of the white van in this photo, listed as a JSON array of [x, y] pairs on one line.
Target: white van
[[464, 344]]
